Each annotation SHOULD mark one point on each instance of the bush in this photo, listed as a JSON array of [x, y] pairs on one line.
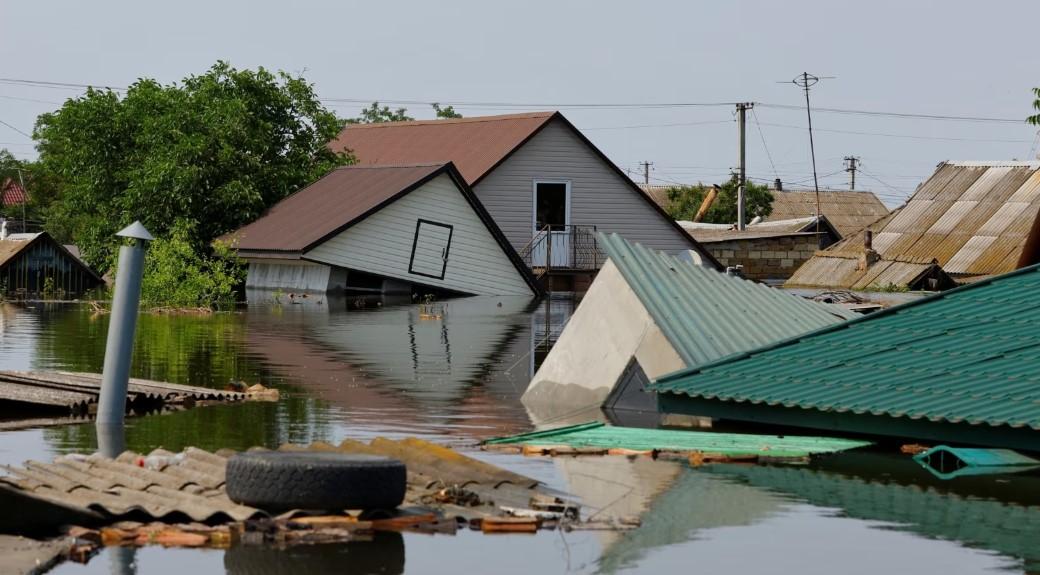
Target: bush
[[176, 273]]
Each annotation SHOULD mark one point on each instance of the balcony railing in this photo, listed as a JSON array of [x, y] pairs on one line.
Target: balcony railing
[[562, 248]]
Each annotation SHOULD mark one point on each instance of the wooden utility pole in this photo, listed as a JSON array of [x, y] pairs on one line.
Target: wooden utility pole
[[742, 109]]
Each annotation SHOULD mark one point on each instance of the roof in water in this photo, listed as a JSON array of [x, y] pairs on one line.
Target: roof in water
[[969, 356], [974, 219], [708, 315], [475, 145], [848, 211], [341, 197]]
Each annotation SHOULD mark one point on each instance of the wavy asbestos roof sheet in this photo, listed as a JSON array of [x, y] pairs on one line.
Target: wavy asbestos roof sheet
[[707, 315], [967, 356], [848, 211]]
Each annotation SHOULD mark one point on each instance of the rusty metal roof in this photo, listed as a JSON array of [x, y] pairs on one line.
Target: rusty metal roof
[[848, 211], [475, 145], [12, 194]]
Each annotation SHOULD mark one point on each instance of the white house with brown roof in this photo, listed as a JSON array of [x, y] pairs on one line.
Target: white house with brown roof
[[546, 185]]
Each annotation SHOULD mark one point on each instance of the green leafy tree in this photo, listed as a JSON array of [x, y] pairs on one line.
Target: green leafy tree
[[447, 112], [375, 114], [215, 150], [177, 274], [1035, 119], [684, 201]]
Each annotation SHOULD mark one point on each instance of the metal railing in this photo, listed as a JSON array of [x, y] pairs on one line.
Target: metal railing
[[562, 248]]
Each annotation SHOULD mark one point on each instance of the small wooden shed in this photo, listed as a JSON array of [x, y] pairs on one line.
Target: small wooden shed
[[35, 265]]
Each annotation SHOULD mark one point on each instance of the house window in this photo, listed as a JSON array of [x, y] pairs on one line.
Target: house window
[[551, 205]]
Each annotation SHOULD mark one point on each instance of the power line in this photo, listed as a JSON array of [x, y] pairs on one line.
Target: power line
[[908, 136], [754, 117], [658, 125], [879, 181], [15, 129], [905, 115]]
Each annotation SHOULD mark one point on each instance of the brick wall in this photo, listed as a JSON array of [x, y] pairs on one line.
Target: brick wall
[[765, 258]]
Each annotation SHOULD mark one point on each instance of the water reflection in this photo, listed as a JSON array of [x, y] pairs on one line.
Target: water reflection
[[383, 554]]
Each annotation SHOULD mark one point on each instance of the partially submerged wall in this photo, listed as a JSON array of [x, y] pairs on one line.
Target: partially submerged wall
[[294, 276], [609, 328], [765, 258]]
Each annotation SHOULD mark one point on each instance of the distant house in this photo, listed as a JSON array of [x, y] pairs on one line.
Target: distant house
[[383, 229], [970, 220], [648, 314], [34, 265], [959, 366], [12, 194], [847, 211], [767, 251], [546, 185]]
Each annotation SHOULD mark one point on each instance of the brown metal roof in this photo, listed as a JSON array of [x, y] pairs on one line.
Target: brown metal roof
[[343, 196], [848, 211], [474, 145]]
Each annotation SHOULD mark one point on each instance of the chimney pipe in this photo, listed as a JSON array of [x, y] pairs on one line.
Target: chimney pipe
[[868, 240], [778, 185], [3, 229]]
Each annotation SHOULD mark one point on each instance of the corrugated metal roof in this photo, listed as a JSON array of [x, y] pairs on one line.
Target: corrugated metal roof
[[475, 145], [706, 233], [967, 356], [848, 211], [706, 314]]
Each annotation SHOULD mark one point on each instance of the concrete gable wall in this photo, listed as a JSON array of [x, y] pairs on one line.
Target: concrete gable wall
[[599, 196], [381, 244]]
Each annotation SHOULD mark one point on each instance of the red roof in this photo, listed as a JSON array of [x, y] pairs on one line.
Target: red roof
[[475, 145], [13, 194], [325, 207]]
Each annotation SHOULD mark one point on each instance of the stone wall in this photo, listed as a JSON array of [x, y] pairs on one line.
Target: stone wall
[[773, 258]]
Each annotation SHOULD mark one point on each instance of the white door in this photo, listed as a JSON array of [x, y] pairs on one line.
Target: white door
[[552, 208]]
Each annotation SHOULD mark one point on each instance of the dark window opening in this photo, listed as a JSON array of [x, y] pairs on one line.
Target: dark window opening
[[550, 205]]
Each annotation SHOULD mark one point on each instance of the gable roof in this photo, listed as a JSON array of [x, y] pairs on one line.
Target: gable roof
[[347, 195], [475, 145], [707, 315], [12, 194], [847, 211], [968, 356], [12, 246]]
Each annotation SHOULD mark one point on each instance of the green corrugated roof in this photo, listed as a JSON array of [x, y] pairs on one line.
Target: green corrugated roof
[[707, 315], [732, 444], [969, 355]]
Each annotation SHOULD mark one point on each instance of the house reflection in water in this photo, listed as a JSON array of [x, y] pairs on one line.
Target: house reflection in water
[[459, 363]]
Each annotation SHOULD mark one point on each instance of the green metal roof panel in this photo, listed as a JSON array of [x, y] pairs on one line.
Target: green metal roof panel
[[968, 355], [708, 315], [732, 444]]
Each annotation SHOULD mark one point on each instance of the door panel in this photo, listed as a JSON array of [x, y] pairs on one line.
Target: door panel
[[430, 249]]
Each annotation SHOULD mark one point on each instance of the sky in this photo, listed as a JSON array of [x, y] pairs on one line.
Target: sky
[[645, 81]]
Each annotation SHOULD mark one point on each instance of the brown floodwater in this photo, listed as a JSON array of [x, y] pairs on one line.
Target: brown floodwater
[[362, 368]]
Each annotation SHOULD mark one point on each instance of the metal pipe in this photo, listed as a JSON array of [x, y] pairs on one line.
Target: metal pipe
[[115, 377]]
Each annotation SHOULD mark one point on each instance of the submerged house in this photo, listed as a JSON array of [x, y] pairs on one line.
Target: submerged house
[[649, 314], [958, 366], [767, 251], [545, 184], [970, 220], [383, 229], [35, 265]]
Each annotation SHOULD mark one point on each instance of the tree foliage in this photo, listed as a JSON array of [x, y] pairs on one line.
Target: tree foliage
[[1035, 118], [177, 274], [447, 112], [375, 114], [684, 201], [211, 153]]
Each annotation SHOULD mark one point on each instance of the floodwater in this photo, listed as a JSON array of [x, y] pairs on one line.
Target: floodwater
[[454, 374]]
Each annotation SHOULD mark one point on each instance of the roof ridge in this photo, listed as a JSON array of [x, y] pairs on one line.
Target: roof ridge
[[443, 121], [391, 166]]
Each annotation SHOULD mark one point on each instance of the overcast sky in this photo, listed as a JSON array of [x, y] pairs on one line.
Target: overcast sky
[[942, 58]]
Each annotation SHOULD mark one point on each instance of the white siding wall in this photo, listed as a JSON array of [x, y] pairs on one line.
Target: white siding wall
[[382, 244], [288, 275], [599, 196]]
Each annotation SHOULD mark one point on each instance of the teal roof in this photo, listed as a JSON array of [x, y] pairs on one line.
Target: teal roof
[[708, 315], [968, 355], [732, 444]]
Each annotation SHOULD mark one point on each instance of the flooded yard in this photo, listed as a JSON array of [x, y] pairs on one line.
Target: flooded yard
[[359, 369]]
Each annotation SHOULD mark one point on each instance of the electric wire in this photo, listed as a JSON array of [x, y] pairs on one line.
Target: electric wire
[[754, 117]]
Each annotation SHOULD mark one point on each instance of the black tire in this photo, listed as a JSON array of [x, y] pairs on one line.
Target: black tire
[[282, 480], [383, 555]]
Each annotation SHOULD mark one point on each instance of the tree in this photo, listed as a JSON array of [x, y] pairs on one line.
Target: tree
[[1035, 119], [211, 153], [684, 201], [375, 115], [446, 112]]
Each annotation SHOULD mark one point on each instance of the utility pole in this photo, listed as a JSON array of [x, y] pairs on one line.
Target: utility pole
[[805, 81], [25, 198], [850, 167], [742, 108], [646, 171]]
